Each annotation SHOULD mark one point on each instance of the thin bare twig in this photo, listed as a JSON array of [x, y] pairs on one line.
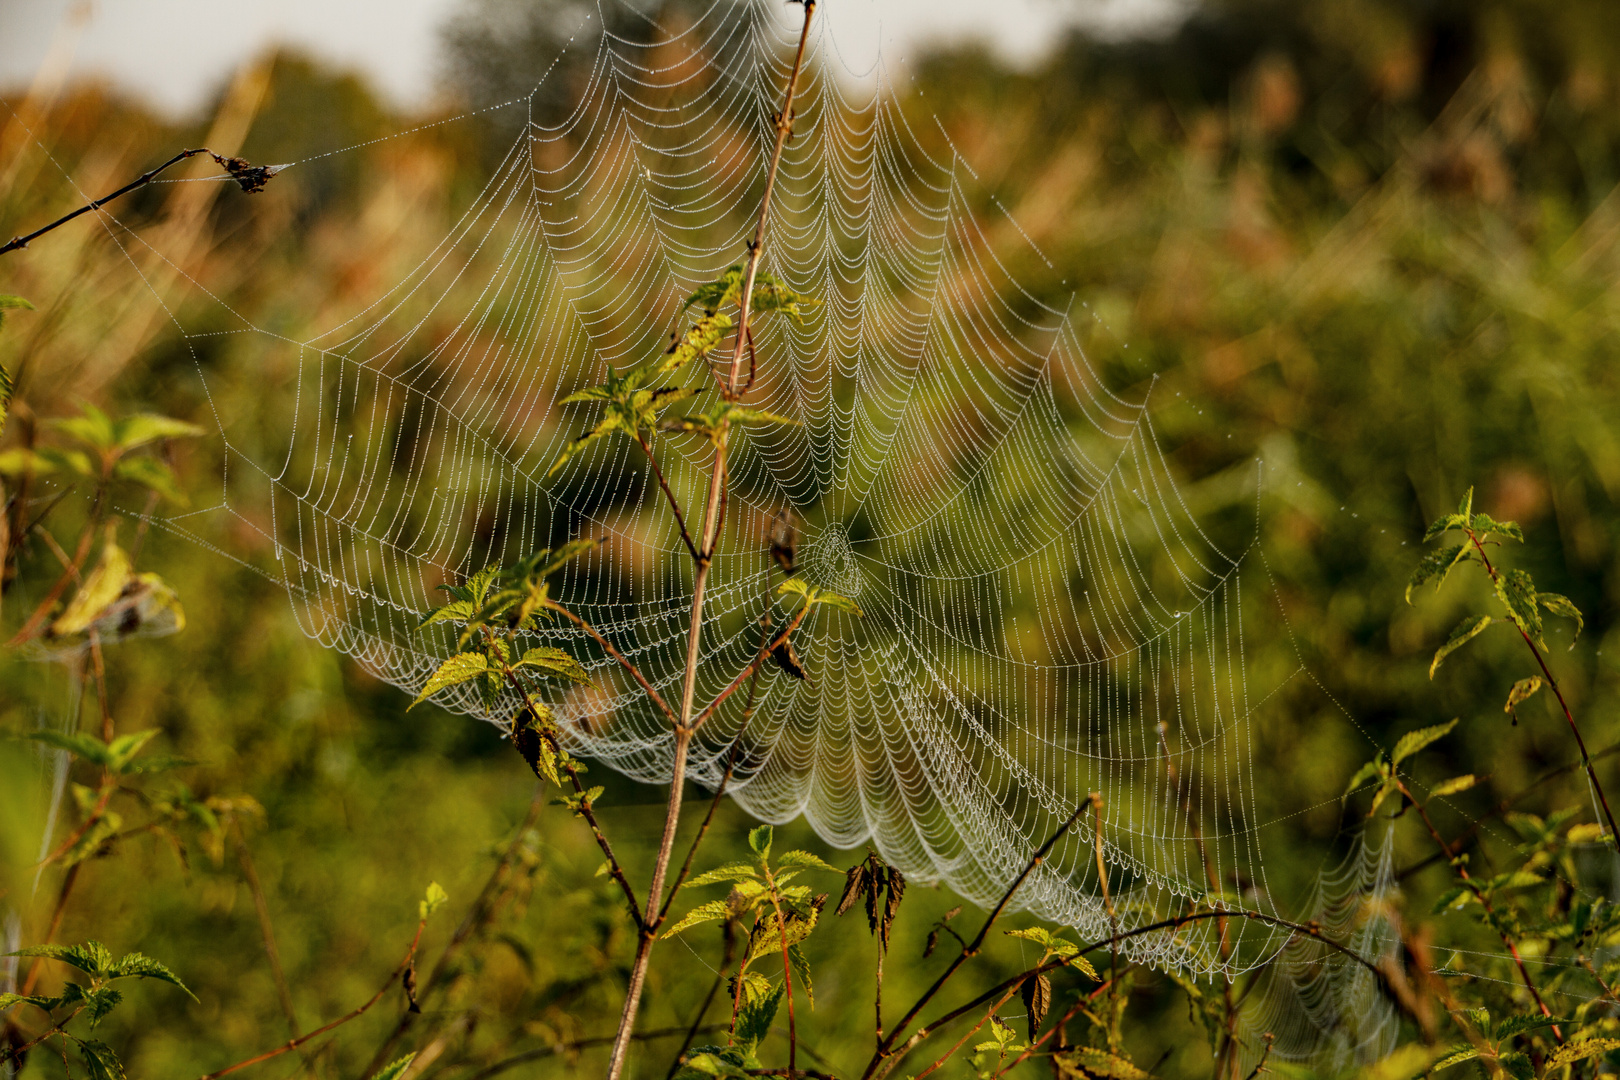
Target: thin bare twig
[[623, 661], [295, 1043], [266, 928], [251, 177], [674, 506]]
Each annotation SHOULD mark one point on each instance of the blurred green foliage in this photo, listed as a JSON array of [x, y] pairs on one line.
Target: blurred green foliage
[[1374, 245]]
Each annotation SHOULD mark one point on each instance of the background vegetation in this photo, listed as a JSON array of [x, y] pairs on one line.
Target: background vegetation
[[1376, 245]]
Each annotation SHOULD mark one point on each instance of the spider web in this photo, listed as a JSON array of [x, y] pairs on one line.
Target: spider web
[[1044, 616]]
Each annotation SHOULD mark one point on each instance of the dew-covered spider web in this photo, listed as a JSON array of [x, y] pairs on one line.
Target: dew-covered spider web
[[1044, 615]]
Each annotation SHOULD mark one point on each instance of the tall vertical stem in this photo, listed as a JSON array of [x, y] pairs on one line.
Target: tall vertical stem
[[708, 541]]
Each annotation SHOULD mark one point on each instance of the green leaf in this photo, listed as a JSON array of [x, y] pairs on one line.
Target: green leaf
[[754, 1019], [139, 966], [1465, 632], [102, 1063], [801, 972], [760, 841], [700, 339], [1518, 1025], [12, 303], [1455, 786], [463, 667], [8, 1000], [6, 389], [432, 901], [152, 474], [708, 424], [606, 426], [142, 428], [702, 914], [1436, 564], [1390, 787], [1086, 1060], [80, 745], [804, 858], [1413, 741], [813, 595], [92, 957], [720, 292], [771, 294], [1465, 509], [1585, 1050], [1485, 525], [554, 662], [92, 427], [122, 750], [98, 1003], [1518, 594], [1457, 1056], [1562, 605], [1454, 898], [396, 1068], [1372, 770], [99, 591], [1444, 525], [729, 872]]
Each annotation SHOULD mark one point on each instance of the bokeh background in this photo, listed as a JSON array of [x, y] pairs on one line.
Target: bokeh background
[[1375, 245]]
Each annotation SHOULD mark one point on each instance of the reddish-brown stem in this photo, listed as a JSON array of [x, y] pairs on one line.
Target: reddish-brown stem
[[266, 929], [787, 974], [1484, 902], [71, 574], [947, 1055], [1586, 760], [1057, 1028], [972, 949], [295, 1043], [620, 658], [748, 671]]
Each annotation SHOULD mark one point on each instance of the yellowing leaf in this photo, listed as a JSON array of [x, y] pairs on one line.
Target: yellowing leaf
[[463, 667], [1465, 632], [96, 593], [1454, 786], [1413, 741]]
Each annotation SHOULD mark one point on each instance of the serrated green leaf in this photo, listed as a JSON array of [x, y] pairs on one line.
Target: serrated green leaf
[[1562, 605], [92, 957], [1517, 592], [396, 1068], [1485, 525], [461, 668], [432, 901], [1465, 632], [79, 744], [98, 1003], [801, 973], [700, 339], [1518, 1025], [1585, 1050], [1414, 741], [139, 966], [1088, 1061], [122, 750], [729, 872], [8, 1000], [806, 859], [1456, 1056], [555, 663], [710, 912], [606, 426], [759, 840], [813, 595], [754, 1019], [1444, 525], [1436, 564], [100, 1060]]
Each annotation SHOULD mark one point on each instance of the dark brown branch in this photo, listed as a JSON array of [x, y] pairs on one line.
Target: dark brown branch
[[251, 177], [675, 507], [742, 676]]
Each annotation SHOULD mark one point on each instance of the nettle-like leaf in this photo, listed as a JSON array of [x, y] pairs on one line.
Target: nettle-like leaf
[[807, 860], [1517, 592], [1562, 605], [1484, 525], [801, 972], [1089, 1062], [628, 407], [754, 1019], [553, 663], [1466, 631], [461, 668], [725, 412], [771, 294], [759, 841], [1585, 1050], [92, 957], [1455, 786], [729, 872], [700, 339], [1414, 741], [100, 1060], [1436, 566], [1037, 997], [814, 595]]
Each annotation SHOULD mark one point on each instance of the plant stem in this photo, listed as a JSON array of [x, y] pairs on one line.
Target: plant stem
[[709, 534], [1484, 902], [1586, 760], [266, 929]]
